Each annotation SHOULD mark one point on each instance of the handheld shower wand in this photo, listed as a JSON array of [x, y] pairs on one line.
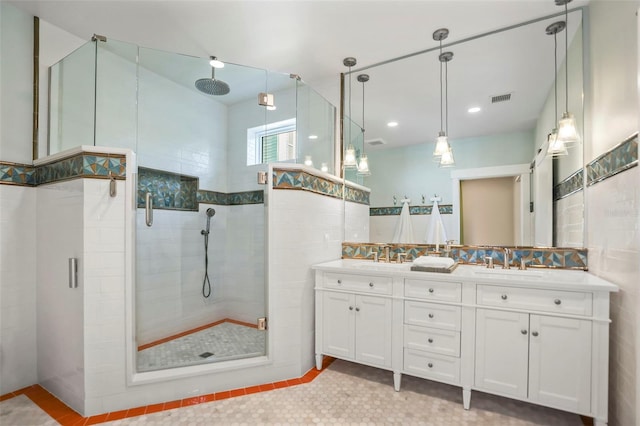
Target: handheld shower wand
[[206, 283]]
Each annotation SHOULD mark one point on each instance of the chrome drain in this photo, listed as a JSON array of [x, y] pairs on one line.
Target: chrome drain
[[205, 355]]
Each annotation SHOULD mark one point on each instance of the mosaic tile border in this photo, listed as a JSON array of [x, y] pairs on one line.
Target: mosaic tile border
[[569, 186], [82, 165], [618, 159], [230, 199], [413, 210], [301, 180], [170, 191], [17, 174], [537, 257]]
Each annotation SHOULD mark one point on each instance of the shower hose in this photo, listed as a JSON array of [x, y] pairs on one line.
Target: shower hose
[[206, 283]]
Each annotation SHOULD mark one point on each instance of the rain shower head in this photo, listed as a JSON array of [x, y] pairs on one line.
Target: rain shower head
[[211, 86]]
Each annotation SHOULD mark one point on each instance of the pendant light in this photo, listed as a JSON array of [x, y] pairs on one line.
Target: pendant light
[[442, 151], [555, 146], [363, 165], [567, 128], [349, 161]]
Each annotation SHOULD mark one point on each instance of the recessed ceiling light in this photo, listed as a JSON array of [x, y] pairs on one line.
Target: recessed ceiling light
[[473, 110], [392, 124], [313, 136]]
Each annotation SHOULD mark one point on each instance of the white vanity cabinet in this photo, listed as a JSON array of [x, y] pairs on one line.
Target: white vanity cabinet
[[538, 336], [354, 319]]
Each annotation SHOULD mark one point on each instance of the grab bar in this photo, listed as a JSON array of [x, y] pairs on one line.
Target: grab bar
[[148, 209]]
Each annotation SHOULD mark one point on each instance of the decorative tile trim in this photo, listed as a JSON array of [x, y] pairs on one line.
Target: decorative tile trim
[[618, 159], [569, 186], [231, 199], [301, 180], [414, 210], [17, 174], [170, 191], [83, 165], [537, 257]]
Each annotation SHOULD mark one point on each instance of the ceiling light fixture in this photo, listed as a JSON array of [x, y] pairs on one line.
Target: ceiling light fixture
[[442, 142], [214, 62], [567, 128], [349, 161], [313, 137], [555, 146], [392, 124], [473, 110], [363, 165]]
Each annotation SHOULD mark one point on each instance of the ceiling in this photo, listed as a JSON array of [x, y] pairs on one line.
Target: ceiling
[[311, 38]]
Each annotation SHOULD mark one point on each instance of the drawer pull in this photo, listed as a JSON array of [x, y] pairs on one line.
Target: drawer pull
[[430, 315], [351, 308], [430, 340], [430, 365], [370, 284], [534, 334], [339, 281], [357, 309], [503, 297], [430, 290], [557, 301], [523, 331]]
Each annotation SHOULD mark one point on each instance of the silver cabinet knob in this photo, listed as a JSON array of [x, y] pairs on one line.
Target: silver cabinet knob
[[430, 340], [351, 308], [430, 365], [523, 331], [370, 284], [534, 333], [430, 290], [357, 309], [430, 315], [503, 297], [557, 301], [339, 281]]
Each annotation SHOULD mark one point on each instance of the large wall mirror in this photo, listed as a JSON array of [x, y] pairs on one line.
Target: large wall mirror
[[511, 76]]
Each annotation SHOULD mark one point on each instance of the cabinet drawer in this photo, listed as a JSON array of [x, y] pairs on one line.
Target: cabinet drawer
[[432, 340], [566, 302], [444, 317], [432, 366], [433, 290], [364, 283]]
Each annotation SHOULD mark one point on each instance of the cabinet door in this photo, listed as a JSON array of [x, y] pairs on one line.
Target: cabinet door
[[373, 330], [560, 363], [338, 325], [502, 351]]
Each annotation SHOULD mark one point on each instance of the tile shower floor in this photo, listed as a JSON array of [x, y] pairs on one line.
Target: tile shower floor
[[220, 342], [344, 393]]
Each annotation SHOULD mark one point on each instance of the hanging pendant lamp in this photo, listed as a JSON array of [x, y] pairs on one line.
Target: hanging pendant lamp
[[363, 165], [555, 146], [442, 142], [349, 161], [446, 159], [567, 128]]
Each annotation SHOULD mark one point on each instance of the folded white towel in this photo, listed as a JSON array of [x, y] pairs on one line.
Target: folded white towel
[[434, 262]]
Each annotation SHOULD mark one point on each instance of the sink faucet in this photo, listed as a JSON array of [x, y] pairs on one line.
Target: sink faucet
[[506, 264], [387, 254]]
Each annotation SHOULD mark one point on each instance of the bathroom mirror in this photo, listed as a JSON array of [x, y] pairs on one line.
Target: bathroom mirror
[[509, 74]]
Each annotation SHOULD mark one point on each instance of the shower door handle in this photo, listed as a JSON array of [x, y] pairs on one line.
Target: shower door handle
[[148, 209]]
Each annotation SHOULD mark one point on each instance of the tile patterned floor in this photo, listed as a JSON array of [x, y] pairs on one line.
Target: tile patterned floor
[[345, 393], [225, 341]]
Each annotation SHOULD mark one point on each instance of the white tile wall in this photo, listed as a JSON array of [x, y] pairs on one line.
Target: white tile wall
[[569, 226], [17, 288], [356, 223], [60, 309]]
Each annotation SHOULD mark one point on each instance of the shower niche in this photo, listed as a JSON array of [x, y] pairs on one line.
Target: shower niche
[[200, 290]]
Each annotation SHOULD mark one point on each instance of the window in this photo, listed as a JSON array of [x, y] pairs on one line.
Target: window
[[272, 143]]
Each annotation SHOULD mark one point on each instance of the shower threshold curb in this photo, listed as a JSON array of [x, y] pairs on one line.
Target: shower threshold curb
[[67, 417]]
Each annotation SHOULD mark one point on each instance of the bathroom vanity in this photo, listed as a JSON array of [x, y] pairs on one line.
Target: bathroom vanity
[[540, 336]]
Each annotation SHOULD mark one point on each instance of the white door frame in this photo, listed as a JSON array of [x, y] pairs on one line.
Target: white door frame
[[513, 170]]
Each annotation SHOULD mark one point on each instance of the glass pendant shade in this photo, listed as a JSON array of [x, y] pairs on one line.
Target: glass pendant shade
[[363, 166], [567, 129], [446, 160], [350, 157], [556, 146], [442, 145]]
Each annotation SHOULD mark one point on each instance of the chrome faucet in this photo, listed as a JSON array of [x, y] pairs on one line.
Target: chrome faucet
[[506, 264]]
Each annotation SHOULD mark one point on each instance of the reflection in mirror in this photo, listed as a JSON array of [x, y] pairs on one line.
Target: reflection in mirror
[[501, 109]]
